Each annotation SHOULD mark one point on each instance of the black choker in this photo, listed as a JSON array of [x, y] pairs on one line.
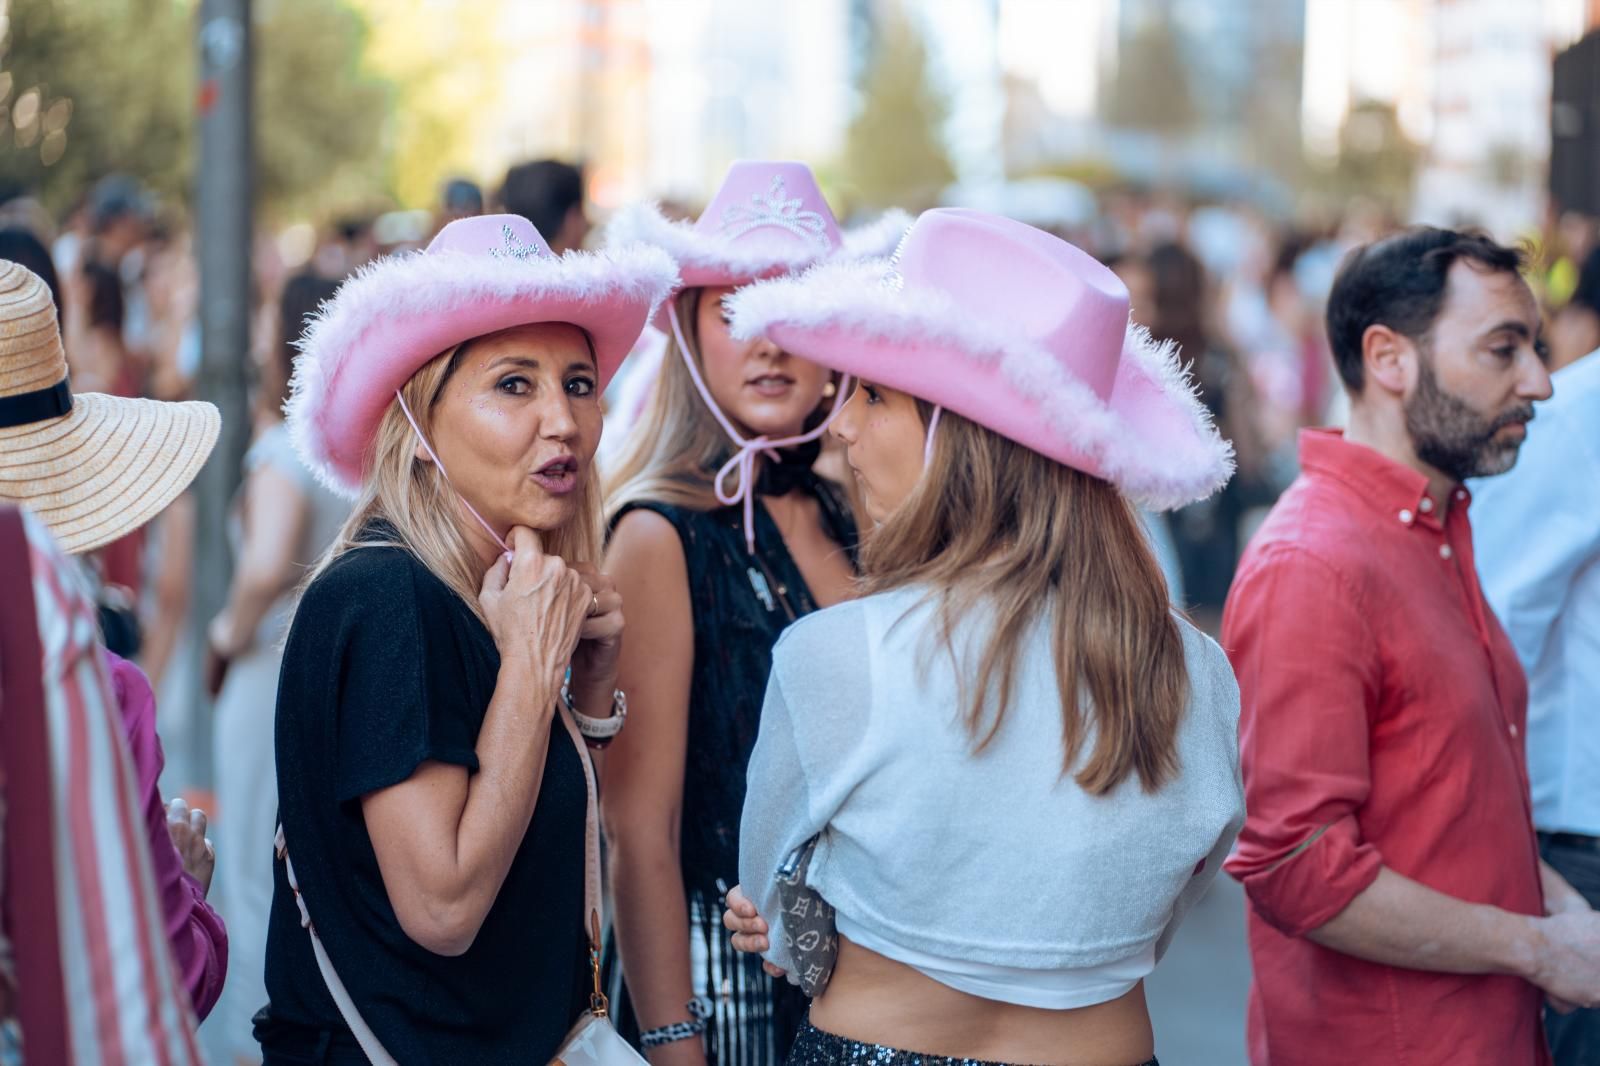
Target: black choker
[[791, 470]]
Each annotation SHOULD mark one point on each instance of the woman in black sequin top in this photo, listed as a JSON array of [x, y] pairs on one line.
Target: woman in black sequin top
[[706, 605], [722, 535]]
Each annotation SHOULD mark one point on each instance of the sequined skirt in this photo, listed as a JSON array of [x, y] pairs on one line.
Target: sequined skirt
[[817, 1048]]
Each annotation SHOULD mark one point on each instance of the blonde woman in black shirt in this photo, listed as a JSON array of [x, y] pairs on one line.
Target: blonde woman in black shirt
[[431, 792]]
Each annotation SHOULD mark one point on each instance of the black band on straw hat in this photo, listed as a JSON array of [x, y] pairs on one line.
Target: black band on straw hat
[[26, 408]]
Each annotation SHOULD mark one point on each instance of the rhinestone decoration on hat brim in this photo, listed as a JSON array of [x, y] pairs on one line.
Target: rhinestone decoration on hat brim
[[778, 209]]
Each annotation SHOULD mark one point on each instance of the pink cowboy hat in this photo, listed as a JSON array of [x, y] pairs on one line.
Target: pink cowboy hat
[[766, 219], [1017, 330], [478, 276]]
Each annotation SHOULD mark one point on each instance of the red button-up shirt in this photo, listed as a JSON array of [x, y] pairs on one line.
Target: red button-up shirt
[[1382, 722]]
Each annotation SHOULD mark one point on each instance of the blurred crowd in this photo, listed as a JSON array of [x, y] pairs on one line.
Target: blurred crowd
[[1240, 292]]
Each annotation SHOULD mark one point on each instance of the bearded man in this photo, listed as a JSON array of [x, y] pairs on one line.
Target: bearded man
[[1399, 909]]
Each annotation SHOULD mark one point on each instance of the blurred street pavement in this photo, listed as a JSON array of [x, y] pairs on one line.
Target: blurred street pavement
[[1197, 994]]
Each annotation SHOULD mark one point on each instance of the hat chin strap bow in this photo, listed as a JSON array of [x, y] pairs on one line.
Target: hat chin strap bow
[[744, 459]]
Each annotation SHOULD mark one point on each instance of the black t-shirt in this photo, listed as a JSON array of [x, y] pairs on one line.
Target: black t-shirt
[[384, 669]]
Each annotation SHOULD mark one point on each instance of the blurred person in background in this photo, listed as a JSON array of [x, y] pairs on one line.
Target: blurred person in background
[[100, 363], [1279, 337], [461, 198], [122, 223], [1575, 328], [173, 291], [722, 535], [285, 520], [1399, 910], [1206, 533], [1572, 238], [548, 193], [350, 244], [129, 458], [1536, 531]]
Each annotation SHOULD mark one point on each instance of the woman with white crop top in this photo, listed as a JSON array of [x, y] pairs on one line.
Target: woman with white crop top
[[1018, 765]]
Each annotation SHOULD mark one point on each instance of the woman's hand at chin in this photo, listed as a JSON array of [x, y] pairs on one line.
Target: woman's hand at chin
[[594, 663], [536, 607]]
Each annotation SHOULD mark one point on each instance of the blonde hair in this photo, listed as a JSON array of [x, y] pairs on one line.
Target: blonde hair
[[413, 497], [993, 524], [673, 451]]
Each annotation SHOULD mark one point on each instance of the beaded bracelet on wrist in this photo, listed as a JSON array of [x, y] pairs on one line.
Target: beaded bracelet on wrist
[[699, 1010]]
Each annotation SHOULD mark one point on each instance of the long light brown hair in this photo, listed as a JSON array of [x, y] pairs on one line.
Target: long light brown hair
[[412, 496], [994, 525]]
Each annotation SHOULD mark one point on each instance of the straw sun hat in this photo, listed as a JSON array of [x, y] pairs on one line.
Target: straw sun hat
[[92, 467]]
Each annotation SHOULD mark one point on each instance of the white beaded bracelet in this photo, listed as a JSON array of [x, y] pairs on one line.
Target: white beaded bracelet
[[598, 729]]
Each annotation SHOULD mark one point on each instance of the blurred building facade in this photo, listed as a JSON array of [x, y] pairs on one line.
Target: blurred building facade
[[657, 96], [1470, 82]]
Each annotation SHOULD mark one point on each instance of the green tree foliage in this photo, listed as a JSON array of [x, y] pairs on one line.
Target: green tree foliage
[[895, 152], [111, 86], [118, 73], [321, 116]]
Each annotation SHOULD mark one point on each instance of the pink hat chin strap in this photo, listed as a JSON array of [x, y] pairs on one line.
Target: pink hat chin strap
[[487, 528], [744, 459], [933, 425]]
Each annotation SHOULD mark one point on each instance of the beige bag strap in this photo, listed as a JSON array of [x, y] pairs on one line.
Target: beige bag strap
[[370, 1046], [341, 996]]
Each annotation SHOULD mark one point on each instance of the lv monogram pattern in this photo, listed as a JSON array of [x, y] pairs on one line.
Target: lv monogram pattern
[[810, 932]]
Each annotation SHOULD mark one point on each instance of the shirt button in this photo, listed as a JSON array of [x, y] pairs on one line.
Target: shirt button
[[1406, 517], [1513, 731], [1426, 505], [1461, 494], [1445, 552]]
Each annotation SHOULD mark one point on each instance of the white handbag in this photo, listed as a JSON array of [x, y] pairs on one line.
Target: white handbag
[[593, 1039]]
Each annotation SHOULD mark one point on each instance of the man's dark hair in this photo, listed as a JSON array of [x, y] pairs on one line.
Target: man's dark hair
[[542, 192], [115, 197], [463, 195], [303, 295], [352, 228], [1400, 282]]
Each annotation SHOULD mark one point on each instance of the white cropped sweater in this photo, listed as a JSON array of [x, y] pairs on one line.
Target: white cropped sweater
[[992, 871]]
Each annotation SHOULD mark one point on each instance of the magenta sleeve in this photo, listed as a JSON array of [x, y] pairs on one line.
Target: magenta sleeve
[[196, 932]]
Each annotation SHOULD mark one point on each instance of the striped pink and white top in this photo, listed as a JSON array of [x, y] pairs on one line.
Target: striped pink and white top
[[122, 1000]]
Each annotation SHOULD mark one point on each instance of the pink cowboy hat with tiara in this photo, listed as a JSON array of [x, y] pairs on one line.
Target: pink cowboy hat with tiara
[[479, 276], [1017, 330], [766, 219]]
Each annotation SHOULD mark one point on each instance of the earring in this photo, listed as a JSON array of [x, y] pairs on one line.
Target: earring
[[830, 390]]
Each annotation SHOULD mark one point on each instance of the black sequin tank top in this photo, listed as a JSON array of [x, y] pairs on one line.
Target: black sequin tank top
[[741, 603]]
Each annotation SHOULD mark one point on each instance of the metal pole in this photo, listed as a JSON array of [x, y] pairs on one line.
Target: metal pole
[[223, 214]]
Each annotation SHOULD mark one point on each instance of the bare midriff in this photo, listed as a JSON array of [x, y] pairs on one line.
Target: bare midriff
[[879, 1001]]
